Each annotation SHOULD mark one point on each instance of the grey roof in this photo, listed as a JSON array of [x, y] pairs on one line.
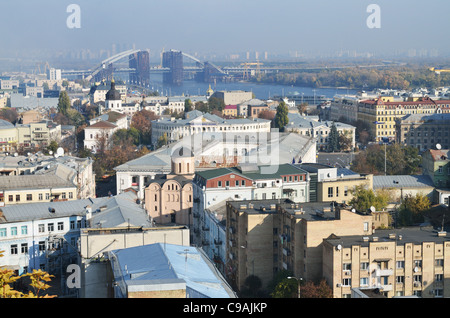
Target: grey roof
[[33, 182], [169, 264], [43, 210], [426, 118], [297, 120], [416, 235], [402, 181], [4, 124], [117, 210]]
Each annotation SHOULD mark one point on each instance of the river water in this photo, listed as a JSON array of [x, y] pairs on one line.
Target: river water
[[261, 91]]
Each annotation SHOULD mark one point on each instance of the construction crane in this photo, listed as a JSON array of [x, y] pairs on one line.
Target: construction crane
[[439, 70], [247, 66]]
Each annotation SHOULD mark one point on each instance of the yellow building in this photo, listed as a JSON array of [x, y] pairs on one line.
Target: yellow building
[[8, 136], [35, 188], [340, 189], [404, 262], [381, 113]]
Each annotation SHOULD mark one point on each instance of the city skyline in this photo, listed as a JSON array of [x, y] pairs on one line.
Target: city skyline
[[226, 27]]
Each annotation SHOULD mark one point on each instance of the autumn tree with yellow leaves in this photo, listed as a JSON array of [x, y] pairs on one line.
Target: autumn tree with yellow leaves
[[38, 278]]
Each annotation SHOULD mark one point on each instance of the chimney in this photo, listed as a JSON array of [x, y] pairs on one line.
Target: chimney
[[88, 212]]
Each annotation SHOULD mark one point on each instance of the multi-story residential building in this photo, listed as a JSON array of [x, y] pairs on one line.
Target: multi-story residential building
[[424, 131], [401, 262], [381, 113], [37, 134], [319, 130], [8, 136], [35, 188], [34, 235], [328, 184], [264, 237], [246, 182], [196, 122], [436, 165], [233, 97]]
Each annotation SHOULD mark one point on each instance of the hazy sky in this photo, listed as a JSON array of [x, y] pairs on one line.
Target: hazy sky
[[227, 25]]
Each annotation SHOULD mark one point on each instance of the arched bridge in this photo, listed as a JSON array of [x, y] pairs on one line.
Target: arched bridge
[[139, 68]]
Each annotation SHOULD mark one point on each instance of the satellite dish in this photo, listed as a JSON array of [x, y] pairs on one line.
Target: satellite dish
[[438, 146], [339, 247], [60, 152], [50, 152], [372, 209], [353, 210]]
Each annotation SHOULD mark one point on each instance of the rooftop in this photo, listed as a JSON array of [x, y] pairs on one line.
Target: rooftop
[[160, 264], [402, 181]]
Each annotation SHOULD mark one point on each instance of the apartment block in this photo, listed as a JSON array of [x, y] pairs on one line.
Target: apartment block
[[403, 262], [266, 236]]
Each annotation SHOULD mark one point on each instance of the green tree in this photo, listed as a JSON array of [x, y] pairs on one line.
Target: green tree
[[53, 146], [215, 103], [187, 105], [412, 208], [281, 117], [63, 102], [252, 287], [162, 141], [333, 139], [363, 199]]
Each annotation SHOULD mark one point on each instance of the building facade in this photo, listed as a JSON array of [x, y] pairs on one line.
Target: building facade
[[405, 262], [424, 131]]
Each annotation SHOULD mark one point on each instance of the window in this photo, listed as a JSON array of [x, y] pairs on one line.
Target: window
[[3, 232], [70, 195], [366, 226], [243, 183], [345, 191], [72, 225], [439, 262], [365, 266], [14, 230], [10, 198], [219, 184], [29, 197], [364, 281], [439, 277], [227, 183], [330, 192], [50, 227], [47, 196], [346, 282], [24, 248], [400, 264], [439, 293], [400, 279], [14, 249], [236, 183], [24, 230], [63, 196], [17, 197], [41, 228], [40, 197], [337, 191], [60, 226], [42, 246], [347, 266]]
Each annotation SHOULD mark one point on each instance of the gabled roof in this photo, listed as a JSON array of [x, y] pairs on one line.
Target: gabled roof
[[102, 125]]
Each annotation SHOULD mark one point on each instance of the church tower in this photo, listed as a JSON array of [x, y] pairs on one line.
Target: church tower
[[113, 99]]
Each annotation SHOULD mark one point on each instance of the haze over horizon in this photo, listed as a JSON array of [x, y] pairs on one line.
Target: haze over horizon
[[230, 26]]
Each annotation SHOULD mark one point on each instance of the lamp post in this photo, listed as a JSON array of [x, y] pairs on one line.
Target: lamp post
[[298, 283]]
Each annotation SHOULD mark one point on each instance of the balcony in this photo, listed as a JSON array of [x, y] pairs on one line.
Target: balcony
[[383, 272]]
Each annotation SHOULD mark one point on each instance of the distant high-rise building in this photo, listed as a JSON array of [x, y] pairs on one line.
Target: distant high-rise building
[[140, 61], [174, 61], [54, 74]]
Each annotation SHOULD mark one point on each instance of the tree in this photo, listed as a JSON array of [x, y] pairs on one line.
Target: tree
[[142, 121], [187, 105], [345, 142], [38, 278], [333, 139], [252, 287], [302, 108], [412, 208], [215, 103], [63, 102], [321, 290], [53, 146], [281, 117], [363, 199], [162, 141]]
